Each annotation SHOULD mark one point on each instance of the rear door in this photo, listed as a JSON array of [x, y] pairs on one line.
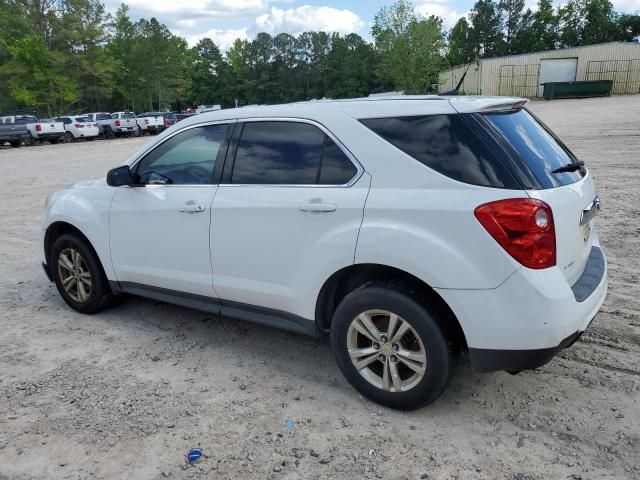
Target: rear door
[[557, 70], [288, 211], [570, 194]]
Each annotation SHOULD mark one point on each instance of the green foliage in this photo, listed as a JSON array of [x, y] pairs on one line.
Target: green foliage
[[409, 47], [64, 56]]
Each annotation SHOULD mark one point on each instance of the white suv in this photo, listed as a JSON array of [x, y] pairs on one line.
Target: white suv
[[410, 229]]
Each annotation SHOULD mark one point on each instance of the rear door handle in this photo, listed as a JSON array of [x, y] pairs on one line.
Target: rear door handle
[[191, 208], [317, 206]]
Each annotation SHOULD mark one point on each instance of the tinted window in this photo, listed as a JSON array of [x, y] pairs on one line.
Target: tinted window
[[537, 147], [446, 144], [127, 115], [188, 158], [278, 153], [103, 116], [336, 168]]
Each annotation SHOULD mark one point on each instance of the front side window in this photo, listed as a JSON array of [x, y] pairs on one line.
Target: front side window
[[187, 158], [289, 153]]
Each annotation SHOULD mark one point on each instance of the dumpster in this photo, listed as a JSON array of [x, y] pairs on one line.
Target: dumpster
[[588, 88]]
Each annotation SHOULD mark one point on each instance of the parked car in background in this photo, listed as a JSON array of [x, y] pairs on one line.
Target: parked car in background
[[408, 230], [151, 122], [14, 134], [124, 124], [103, 120], [170, 118], [38, 130], [183, 116], [79, 126]]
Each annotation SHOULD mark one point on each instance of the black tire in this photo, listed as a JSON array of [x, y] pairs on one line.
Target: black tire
[[425, 323], [15, 143], [100, 294], [53, 141], [108, 133], [69, 138]]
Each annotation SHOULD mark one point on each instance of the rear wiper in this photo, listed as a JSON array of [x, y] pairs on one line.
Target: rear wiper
[[569, 167]]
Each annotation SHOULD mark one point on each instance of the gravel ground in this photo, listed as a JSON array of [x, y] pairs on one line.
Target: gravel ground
[[126, 393]]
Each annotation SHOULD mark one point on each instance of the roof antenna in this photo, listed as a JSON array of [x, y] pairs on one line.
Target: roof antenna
[[456, 90]]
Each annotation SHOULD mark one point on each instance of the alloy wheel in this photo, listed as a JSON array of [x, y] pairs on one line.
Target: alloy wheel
[[386, 350], [74, 274]]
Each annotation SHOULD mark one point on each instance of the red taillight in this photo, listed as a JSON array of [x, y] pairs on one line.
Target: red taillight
[[524, 228], [117, 123], [146, 121], [38, 127], [79, 125], [167, 122]]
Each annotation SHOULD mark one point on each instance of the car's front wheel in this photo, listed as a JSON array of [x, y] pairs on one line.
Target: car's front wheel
[[390, 347], [78, 274]]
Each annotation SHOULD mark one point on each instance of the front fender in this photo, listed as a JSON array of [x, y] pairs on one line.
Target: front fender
[[86, 207]]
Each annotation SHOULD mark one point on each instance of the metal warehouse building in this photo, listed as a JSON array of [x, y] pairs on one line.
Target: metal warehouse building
[[521, 75]]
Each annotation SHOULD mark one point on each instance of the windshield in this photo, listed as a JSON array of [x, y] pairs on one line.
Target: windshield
[[540, 149]]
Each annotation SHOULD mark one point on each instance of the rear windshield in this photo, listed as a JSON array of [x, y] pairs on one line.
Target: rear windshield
[[538, 148], [127, 115], [103, 116], [448, 145], [83, 119]]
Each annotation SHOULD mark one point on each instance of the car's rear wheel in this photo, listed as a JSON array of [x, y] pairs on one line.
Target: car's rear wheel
[[69, 138], [390, 347], [15, 143], [78, 274]]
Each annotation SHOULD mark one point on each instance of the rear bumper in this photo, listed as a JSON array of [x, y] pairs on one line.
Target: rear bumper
[[485, 360], [48, 135], [528, 319]]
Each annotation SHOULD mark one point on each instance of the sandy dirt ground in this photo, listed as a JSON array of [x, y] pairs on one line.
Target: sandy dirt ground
[[126, 393]]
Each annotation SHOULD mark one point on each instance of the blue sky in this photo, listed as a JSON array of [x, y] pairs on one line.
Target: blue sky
[[226, 20]]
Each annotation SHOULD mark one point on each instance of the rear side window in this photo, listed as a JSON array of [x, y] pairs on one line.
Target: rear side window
[[289, 153], [448, 145], [103, 116], [336, 168], [540, 150]]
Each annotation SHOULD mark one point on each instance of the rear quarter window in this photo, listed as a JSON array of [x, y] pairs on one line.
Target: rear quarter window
[[537, 147], [446, 144]]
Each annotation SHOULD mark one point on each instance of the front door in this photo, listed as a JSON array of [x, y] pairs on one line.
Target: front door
[[160, 227]]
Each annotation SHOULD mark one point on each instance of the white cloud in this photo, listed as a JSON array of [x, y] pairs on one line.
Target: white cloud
[[627, 6], [442, 9], [307, 17], [223, 38]]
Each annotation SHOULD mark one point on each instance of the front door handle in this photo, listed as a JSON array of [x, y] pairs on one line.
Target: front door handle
[[317, 205], [191, 208]]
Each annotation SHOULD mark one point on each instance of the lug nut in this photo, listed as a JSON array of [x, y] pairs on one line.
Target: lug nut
[[395, 347], [394, 358], [376, 346], [383, 339], [381, 358]]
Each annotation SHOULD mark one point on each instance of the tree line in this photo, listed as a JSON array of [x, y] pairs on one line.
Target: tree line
[[61, 56]]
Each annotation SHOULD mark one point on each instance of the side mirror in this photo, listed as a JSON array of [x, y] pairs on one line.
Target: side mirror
[[119, 176]]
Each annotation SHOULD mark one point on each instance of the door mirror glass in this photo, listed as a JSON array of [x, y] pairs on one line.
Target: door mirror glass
[[119, 176]]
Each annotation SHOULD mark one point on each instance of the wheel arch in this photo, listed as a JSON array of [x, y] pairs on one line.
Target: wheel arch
[[55, 230], [352, 277]]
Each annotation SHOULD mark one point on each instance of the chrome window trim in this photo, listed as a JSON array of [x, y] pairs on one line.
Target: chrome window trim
[[152, 147], [327, 132]]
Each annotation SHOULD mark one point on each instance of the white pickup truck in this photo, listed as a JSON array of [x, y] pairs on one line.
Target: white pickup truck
[[122, 124], [49, 130], [151, 122]]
